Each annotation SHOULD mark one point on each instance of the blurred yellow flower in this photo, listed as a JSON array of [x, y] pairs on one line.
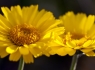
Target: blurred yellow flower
[[79, 35], [25, 32]]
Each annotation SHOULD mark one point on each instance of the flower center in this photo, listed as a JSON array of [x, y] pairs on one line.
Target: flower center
[[24, 34], [79, 39], [77, 36]]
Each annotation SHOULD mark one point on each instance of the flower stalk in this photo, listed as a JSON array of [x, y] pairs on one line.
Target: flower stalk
[[21, 64], [74, 62]]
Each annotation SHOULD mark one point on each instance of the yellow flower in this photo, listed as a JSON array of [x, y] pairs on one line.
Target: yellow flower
[[79, 35], [25, 32]]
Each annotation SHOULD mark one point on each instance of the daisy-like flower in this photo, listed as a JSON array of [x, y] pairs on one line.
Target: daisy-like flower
[[25, 32], [79, 35]]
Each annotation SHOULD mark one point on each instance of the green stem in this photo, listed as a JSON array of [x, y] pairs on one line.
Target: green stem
[[21, 64], [74, 62]]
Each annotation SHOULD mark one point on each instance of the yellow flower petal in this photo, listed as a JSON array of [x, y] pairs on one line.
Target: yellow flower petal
[[3, 20], [40, 14], [61, 52], [70, 51], [82, 21], [91, 53], [43, 19], [25, 13], [45, 51], [67, 24], [15, 56], [34, 12], [89, 22], [23, 51], [91, 32], [5, 11], [35, 51], [86, 50], [11, 49], [54, 25], [17, 15], [87, 43], [54, 49], [3, 54], [28, 58], [71, 44], [18, 10]]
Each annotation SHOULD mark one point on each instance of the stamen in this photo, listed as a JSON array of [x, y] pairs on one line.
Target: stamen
[[24, 34]]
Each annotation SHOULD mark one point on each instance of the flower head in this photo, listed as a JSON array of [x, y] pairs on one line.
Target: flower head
[[79, 34], [25, 31]]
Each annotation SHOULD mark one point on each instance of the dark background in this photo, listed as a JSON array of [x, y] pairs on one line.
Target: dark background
[[58, 7]]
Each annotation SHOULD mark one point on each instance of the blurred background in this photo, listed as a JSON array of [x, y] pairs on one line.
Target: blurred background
[[58, 7]]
